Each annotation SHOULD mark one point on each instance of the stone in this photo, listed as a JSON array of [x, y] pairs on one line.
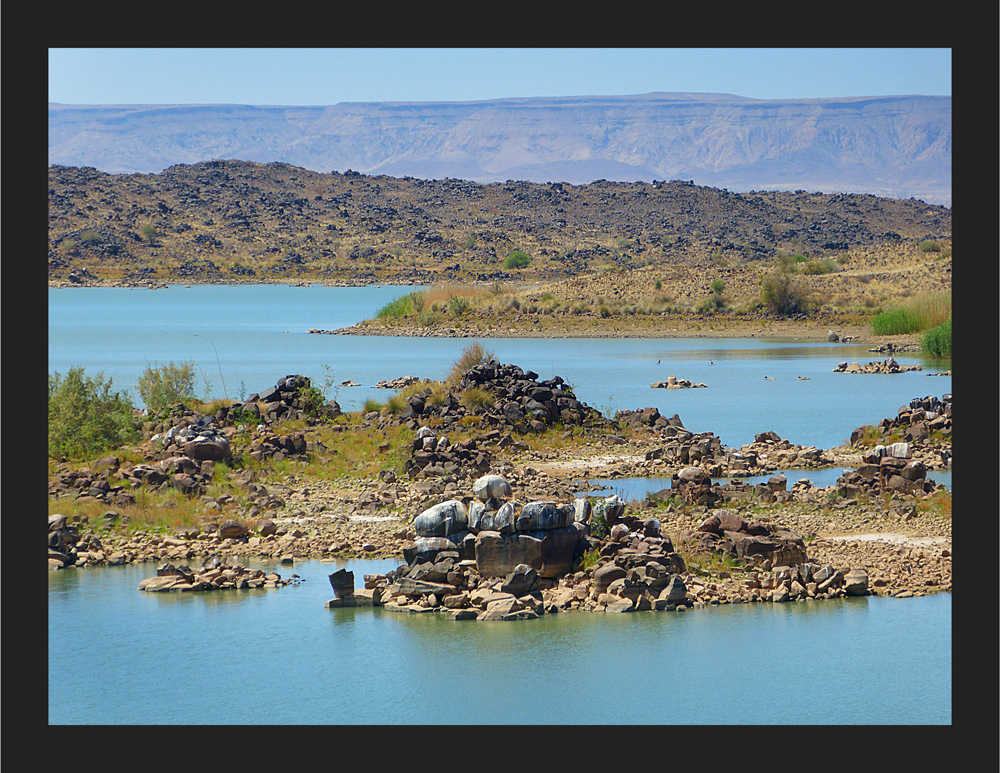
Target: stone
[[497, 554], [522, 581], [538, 516], [442, 520], [232, 529], [856, 582], [675, 591], [342, 582], [483, 519], [490, 487]]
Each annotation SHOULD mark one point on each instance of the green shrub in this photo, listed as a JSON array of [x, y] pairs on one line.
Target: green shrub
[[86, 418], [936, 342], [780, 294], [398, 307], [166, 386], [517, 259], [929, 245], [458, 305], [895, 322]]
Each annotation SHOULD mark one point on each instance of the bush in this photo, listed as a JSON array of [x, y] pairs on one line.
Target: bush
[[929, 245], [825, 266], [477, 398], [937, 341], [780, 294], [895, 322], [472, 355], [517, 259], [398, 307], [458, 305], [166, 386], [86, 418], [923, 312]]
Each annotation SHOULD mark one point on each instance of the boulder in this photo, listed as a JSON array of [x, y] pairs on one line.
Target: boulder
[[442, 520], [342, 582], [521, 581], [539, 516], [856, 582], [490, 487], [560, 549], [498, 554], [483, 519], [232, 529]]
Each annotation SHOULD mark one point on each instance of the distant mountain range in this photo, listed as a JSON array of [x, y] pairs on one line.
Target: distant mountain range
[[889, 146]]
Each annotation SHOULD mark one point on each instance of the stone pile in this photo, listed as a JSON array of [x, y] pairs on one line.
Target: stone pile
[[673, 382], [524, 403], [68, 548], [727, 532], [888, 469], [915, 423], [199, 438], [486, 558], [435, 456], [398, 383], [888, 365], [284, 400], [769, 451], [693, 485], [215, 574]]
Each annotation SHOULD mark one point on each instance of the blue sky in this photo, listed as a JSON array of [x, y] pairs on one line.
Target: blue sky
[[326, 76]]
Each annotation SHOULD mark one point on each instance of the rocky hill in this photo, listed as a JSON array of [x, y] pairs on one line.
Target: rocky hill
[[241, 221], [891, 146]]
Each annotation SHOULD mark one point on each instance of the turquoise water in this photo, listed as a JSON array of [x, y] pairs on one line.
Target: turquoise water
[[243, 338], [121, 656]]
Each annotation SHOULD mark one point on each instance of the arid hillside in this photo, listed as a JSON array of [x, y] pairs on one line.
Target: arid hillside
[[235, 221]]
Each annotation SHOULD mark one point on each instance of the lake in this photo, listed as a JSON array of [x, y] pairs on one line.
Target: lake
[[120, 656], [243, 338]]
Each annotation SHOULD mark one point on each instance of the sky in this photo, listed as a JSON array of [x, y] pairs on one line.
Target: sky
[[326, 76]]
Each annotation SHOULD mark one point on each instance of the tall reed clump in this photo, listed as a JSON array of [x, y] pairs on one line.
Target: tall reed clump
[[398, 307], [923, 312], [936, 342]]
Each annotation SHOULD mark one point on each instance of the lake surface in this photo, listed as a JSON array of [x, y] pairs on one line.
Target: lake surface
[[120, 656], [243, 338]]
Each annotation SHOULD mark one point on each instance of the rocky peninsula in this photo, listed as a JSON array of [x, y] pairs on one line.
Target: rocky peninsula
[[886, 519]]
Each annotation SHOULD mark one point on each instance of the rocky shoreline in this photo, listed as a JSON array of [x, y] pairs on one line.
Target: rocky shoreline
[[879, 518]]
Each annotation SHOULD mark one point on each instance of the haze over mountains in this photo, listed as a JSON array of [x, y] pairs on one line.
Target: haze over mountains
[[890, 146]]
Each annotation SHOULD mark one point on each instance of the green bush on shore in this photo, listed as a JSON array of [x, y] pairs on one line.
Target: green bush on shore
[[86, 418], [936, 342], [895, 322], [166, 386], [398, 307], [781, 294], [923, 312]]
